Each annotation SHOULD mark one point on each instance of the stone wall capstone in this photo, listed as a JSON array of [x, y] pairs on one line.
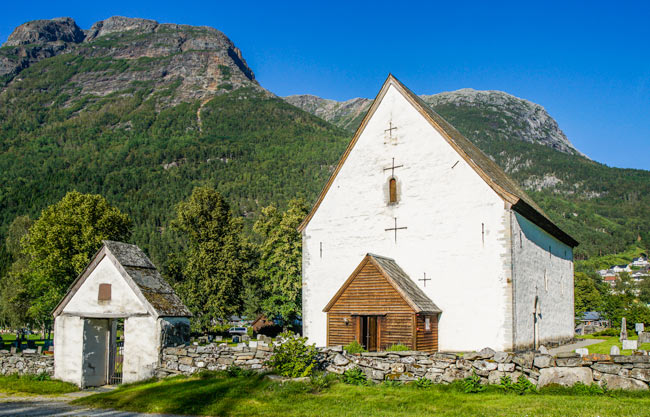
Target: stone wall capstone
[[25, 363], [618, 372]]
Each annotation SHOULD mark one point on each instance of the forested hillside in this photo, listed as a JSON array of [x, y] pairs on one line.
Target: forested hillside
[[142, 113]]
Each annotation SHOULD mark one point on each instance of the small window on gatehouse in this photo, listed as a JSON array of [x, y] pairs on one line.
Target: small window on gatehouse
[[392, 190], [104, 292], [427, 323]]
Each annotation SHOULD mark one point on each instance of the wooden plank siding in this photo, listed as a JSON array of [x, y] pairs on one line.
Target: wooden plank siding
[[369, 293], [427, 341]]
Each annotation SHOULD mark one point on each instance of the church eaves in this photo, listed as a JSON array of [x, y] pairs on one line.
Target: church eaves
[[487, 169]]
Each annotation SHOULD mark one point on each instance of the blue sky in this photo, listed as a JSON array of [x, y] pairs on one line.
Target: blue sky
[[587, 63]]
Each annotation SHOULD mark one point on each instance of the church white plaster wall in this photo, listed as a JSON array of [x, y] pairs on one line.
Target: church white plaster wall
[[68, 345], [141, 348], [457, 230], [543, 268], [123, 300]]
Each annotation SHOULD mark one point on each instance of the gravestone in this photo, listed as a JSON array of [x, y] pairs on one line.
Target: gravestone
[[614, 350], [639, 327], [218, 338], [630, 345], [623, 330], [644, 337], [252, 344], [13, 350], [582, 351], [40, 350], [245, 338]]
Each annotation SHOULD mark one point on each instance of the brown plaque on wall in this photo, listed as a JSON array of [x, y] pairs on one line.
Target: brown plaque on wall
[[104, 292]]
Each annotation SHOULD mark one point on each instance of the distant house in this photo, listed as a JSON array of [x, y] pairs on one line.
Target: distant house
[[621, 268], [604, 272], [640, 261], [591, 322], [261, 321], [611, 280]]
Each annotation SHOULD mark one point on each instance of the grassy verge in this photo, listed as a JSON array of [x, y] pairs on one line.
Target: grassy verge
[[34, 384], [253, 395], [610, 341]]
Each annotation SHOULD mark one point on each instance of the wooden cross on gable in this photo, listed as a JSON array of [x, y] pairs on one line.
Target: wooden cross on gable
[[395, 229], [388, 134], [392, 168]]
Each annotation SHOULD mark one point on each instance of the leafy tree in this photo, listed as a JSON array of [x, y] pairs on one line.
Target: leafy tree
[[60, 244], [280, 262], [218, 258], [587, 296], [14, 297]]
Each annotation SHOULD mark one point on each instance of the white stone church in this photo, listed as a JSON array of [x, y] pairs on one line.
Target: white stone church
[[419, 238]]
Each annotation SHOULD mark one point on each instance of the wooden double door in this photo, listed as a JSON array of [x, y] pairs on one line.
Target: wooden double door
[[368, 332]]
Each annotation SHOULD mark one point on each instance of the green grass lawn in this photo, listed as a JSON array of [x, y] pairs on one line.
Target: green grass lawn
[[255, 396], [610, 341], [34, 384]]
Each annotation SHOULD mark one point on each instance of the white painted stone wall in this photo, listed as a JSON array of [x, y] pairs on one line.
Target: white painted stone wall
[[141, 348], [68, 348], [123, 300], [543, 267], [443, 209]]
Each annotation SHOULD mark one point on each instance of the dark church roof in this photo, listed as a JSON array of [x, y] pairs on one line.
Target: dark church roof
[[410, 292], [135, 267], [487, 169]]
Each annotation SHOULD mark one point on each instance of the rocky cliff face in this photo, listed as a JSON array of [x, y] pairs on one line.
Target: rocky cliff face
[[195, 62], [501, 115]]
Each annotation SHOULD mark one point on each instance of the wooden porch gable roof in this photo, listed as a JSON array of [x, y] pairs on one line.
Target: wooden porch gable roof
[[408, 290]]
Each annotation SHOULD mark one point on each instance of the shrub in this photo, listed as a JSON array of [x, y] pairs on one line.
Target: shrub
[[354, 347], [472, 384], [270, 330], [293, 357], [321, 381], [355, 376], [423, 383], [391, 383], [396, 348]]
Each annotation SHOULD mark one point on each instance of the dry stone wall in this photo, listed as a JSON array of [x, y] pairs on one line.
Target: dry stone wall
[[25, 363], [618, 372]]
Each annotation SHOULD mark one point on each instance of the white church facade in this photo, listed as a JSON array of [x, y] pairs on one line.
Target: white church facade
[[411, 193]]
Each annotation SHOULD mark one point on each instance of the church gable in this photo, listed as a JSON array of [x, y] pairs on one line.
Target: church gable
[[105, 291], [489, 172]]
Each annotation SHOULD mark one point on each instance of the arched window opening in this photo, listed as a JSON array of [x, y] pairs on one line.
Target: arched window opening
[[392, 188]]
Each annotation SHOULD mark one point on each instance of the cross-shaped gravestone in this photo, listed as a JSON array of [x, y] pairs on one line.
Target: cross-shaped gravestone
[[392, 168], [395, 228], [424, 279], [389, 132]]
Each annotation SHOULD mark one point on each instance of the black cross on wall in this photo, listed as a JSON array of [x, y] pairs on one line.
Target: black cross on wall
[[395, 229], [425, 279], [392, 168]]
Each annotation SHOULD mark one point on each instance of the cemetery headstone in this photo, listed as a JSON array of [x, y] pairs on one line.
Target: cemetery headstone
[[39, 350], [13, 350], [639, 327], [218, 338], [630, 345], [644, 337], [252, 344], [623, 330], [614, 350], [245, 338], [582, 351]]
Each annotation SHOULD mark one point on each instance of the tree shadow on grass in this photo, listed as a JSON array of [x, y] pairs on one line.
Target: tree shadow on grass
[[216, 396]]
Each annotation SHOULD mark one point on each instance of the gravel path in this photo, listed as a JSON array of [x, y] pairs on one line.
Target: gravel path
[[39, 406], [573, 346]]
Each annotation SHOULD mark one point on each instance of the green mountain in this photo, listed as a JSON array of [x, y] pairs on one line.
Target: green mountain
[[142, 112]]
